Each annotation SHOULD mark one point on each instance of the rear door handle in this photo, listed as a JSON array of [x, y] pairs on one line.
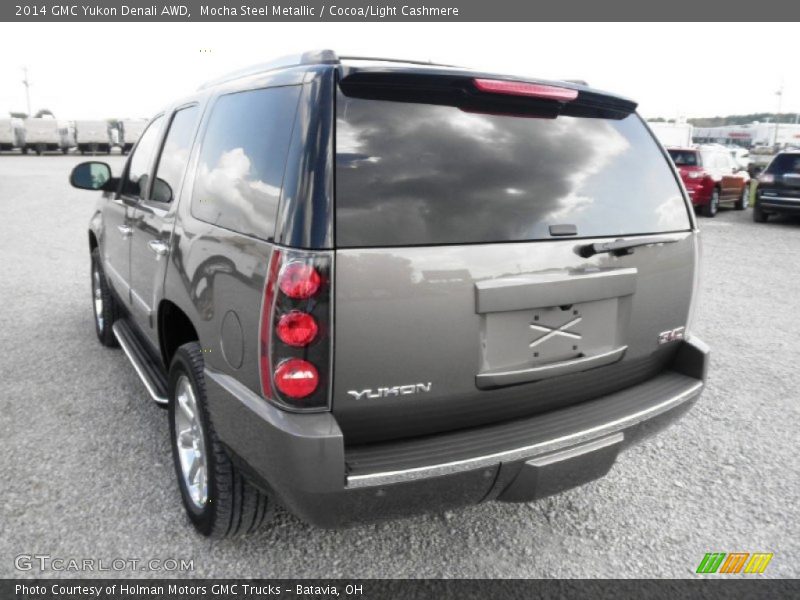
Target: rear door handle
[[125, 230], [159, 247]]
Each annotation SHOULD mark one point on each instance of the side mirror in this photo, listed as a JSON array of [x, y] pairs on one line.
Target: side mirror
[[90, 176]]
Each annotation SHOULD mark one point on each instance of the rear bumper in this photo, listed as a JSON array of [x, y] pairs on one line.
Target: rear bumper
[[303, 460]]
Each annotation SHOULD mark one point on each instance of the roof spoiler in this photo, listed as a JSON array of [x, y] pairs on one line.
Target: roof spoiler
[[469, 93]]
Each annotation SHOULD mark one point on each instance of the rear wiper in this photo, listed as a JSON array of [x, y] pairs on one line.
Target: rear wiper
[[622, 247]]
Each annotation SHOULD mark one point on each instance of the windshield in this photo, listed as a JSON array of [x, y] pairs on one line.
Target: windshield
[[785, 164], [418, 174]]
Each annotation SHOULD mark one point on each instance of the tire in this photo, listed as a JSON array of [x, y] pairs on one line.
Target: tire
[[24, 149], [221, 502], [759, 216], [106, 309], [710, 209], [744, 200]]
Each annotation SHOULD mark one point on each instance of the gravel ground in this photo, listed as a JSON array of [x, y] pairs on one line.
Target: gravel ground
[[86, 468]]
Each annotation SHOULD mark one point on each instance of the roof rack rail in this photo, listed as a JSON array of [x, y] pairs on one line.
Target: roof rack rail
[[312, 57], [396, 60]]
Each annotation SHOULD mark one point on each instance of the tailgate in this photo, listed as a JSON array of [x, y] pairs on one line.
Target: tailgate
[[461, 294], [435, 339]]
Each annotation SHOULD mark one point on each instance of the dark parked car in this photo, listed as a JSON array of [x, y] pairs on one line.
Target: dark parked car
[[712, 176], [370, 288], [778, 188]]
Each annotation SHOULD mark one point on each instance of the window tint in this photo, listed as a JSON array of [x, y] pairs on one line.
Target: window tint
[[135, 183], [684, 158], [174, 155], [785, 163], [417, 174], [240, 171]]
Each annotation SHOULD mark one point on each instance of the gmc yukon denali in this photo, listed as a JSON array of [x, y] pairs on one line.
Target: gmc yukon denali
[[366, 288]]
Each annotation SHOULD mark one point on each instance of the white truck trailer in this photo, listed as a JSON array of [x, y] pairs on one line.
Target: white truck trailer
[[12, 134], [41, 135], [130, 130], [92, 137], [673, 135]]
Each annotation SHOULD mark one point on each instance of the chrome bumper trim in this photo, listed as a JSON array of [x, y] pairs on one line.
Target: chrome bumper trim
[[526, 452]]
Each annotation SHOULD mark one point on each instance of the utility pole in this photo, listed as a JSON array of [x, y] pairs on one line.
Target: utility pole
[[27, 85], [779, 93]]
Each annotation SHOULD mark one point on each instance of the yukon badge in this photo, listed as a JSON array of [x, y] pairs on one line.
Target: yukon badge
[[388, 392]]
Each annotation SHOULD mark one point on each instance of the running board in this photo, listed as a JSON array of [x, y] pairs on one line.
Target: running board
[[149, 372]]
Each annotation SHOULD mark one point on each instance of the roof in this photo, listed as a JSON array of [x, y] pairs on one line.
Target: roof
[[351, 64]]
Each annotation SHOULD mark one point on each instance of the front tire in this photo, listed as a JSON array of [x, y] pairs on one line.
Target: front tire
[[744, 200], [218, 500], [710, 209], [106, 310], [759, 216]]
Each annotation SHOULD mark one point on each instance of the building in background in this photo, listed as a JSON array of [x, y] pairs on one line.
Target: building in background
[[752, 134]]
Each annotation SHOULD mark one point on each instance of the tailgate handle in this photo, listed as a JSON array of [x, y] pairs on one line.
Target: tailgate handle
[[534, 290], [500, 378]]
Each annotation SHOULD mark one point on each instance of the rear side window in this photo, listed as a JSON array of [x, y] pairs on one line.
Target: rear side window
[[174, 155], [135, 183], [418, 174], [242, 159], [785, 163]]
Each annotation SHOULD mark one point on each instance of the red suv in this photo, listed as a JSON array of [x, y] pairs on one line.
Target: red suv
[[712, 176]]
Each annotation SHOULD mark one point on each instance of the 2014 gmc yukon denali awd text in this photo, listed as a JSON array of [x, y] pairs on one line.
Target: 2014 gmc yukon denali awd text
[[368, 288]]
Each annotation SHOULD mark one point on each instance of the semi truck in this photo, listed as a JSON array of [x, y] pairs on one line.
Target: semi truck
[[41, 135], [675, 135], [12, 135], [92, 137], [129, 132]]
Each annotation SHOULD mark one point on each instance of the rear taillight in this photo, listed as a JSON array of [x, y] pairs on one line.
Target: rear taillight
[[297, 328], [295, 340], [296, 378], [530, 90]]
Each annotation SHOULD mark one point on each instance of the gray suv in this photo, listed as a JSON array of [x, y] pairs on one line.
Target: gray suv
[[367, 288]]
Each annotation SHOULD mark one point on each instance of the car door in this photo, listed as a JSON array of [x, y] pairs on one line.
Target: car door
[[731, 181], [152, 219], [117, 214]]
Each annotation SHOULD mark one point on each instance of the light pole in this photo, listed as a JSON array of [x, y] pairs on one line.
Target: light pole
[[27, 85], [779, 93]]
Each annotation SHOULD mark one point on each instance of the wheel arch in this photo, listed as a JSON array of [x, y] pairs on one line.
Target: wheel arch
[[175, 328]]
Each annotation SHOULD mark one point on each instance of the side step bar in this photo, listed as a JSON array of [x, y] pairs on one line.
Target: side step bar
[[149, 372]]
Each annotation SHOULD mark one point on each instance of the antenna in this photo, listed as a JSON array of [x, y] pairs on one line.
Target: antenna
[[27, 85]]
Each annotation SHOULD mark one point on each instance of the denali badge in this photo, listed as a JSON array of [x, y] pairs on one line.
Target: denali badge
[[672, 335], [398, 390]]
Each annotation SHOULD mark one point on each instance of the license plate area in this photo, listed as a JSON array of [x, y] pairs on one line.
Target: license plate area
[[549, 324], [541, 336]]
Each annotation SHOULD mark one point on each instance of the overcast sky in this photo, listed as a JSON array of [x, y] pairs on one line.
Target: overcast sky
[[100, 70]]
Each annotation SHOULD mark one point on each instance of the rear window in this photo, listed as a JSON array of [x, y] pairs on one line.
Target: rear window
[[684, 158], [419, 174], [785, 163]]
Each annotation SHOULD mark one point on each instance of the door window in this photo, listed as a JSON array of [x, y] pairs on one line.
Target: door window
[[135, 182], [174, 155]]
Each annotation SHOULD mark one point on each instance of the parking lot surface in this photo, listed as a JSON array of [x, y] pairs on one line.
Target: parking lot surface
[[87, 471]]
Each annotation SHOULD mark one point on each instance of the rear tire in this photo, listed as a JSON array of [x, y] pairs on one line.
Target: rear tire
[[759, 216], [106, 310], [710, 209], [744, 200], [218, 500]]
